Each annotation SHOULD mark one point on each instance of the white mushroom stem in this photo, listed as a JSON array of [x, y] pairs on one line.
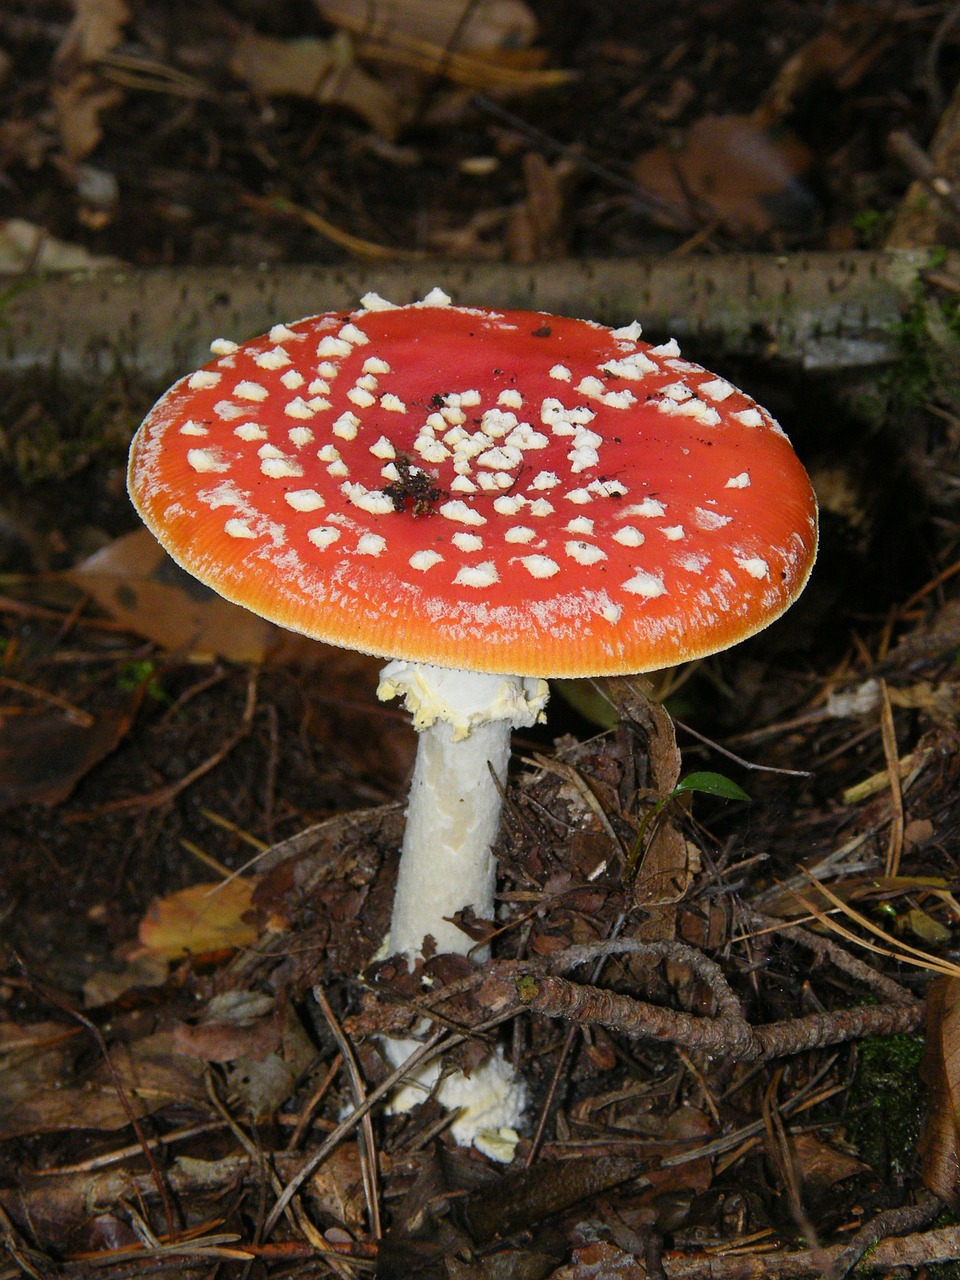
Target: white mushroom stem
[[464, 719]]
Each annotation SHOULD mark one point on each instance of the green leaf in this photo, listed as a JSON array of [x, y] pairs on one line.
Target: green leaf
[[714, 784]]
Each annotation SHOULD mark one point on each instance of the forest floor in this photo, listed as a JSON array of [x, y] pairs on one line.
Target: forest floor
[[198, 836]]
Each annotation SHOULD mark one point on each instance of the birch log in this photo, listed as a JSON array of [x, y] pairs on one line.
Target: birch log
[[816, 311]]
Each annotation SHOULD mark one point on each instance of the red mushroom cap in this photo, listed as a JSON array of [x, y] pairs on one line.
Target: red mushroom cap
[[505, 492]]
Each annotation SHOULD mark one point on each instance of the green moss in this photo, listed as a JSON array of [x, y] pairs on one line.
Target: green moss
[[871, 227], [134, 674], [886, 1102], [928, 350]]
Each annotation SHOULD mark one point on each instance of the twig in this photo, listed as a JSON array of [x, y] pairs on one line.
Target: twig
[[728, 1032], [891, 1222], [916, 161], [706, 969], [642, 198], [891, 754], [432, 1048], [829, 949], [73, 713], [924, 1249], [831, 310], [934, 91], [27, 1260], [732, 755], [368, 1147], [731, 1036], [306, 1115]]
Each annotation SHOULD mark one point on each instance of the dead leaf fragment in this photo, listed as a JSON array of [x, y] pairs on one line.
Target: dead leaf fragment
[[535, 228], [80, 95], [321, 70], [150, 1075], [821, 1165], [601, 1258], [44, 756], [138, 584], [336, 1189], [939, 1144], [96, 29], [732, 171], [78, 106], [483, 26], [260, 1041], [236, 1024], [666, 865], [483, 46], [200, 919]]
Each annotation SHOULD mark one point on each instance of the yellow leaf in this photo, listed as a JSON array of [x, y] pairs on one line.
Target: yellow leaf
[[203, 918]]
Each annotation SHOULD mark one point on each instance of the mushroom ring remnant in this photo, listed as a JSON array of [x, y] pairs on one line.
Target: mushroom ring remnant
[[489, 499]]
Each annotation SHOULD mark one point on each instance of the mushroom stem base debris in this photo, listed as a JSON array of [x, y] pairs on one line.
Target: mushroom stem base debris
[[464, 719], [489, 1102]]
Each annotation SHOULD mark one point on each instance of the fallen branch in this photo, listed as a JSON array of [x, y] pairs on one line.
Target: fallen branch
[[816, 310], [727, 1033]]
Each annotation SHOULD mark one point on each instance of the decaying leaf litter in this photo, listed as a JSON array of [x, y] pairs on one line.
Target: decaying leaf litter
[[172, 1096]]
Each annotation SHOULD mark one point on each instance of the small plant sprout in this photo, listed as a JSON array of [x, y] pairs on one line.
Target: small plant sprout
[[712, 784]]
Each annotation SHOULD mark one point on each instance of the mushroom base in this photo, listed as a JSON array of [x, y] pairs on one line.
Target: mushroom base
[[489, 1102]]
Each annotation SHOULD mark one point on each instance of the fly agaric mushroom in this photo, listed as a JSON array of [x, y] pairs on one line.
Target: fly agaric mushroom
[[488, 499]]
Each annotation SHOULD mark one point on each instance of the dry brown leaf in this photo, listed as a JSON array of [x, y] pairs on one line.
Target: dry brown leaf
[[148, 1072], [200, 919], [483, 46], [842, 55], [44, 756], [29, 1041], [927, 928], [510, 70], [534, 230], [78, 105], [455, 24], [321, 70], [336, 1188], [96, 29], [80, 95], [236, 1024], [939, 1144], [869, 890], [822, 1165], [260, 1041], [732, 171], [140, 971], [139, 585], [665, 869], [694, 1176]]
